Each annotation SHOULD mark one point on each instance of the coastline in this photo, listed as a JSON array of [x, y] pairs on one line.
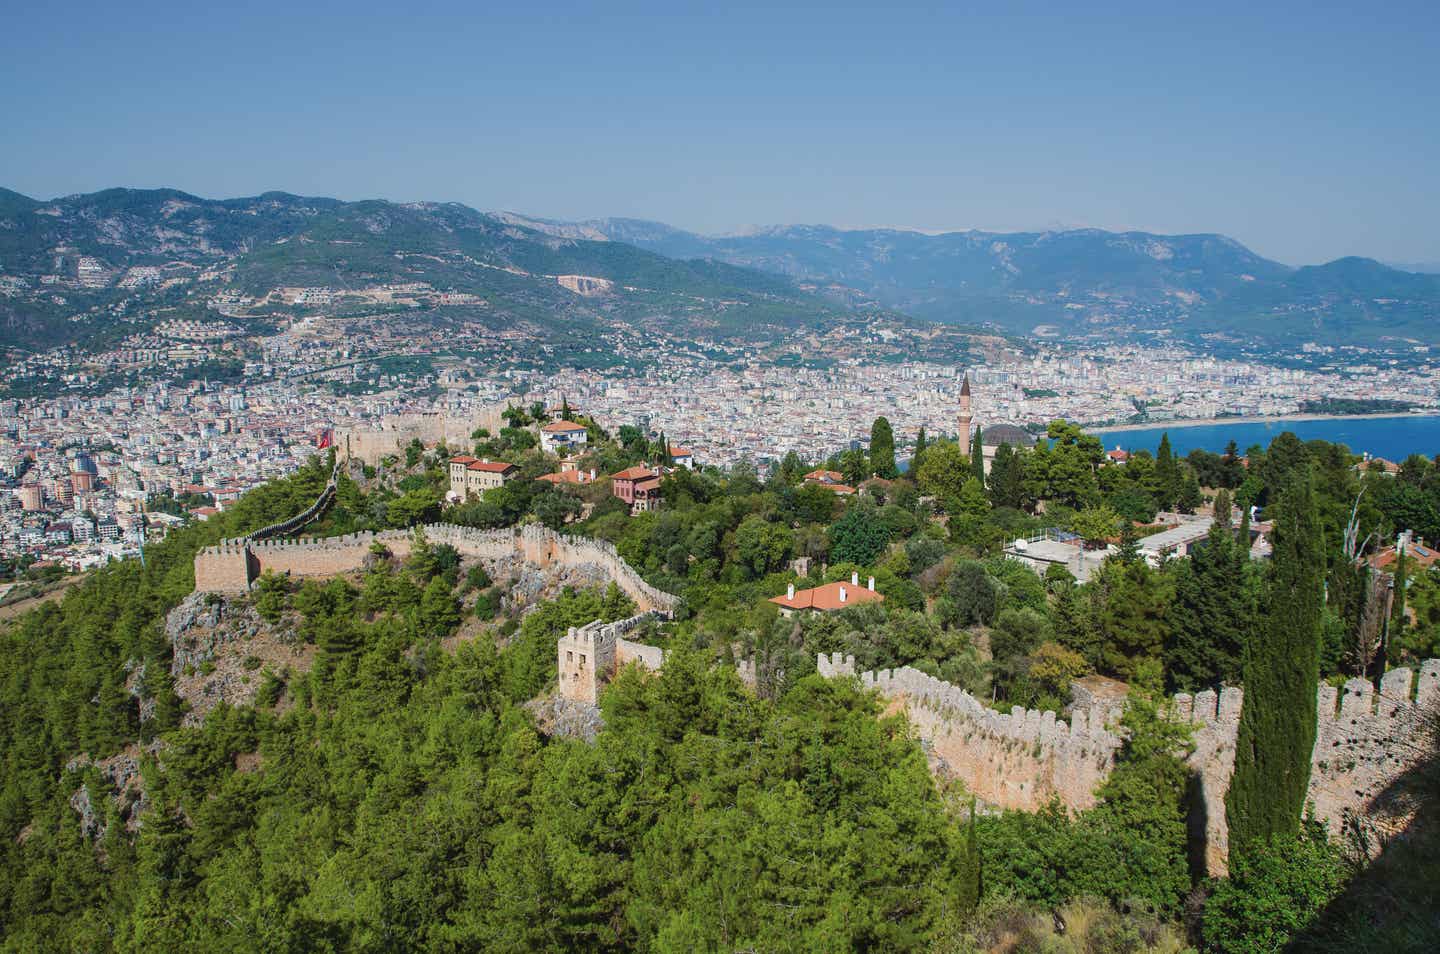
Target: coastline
[[1222, 421]]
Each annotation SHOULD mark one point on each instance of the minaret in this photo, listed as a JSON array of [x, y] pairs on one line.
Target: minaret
[[965, 416]]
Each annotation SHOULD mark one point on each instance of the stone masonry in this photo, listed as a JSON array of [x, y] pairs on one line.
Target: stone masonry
[[234, 565], [1024, 758], [590, 655]]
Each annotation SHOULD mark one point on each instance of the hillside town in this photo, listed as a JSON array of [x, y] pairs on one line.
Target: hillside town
[[90, 477]]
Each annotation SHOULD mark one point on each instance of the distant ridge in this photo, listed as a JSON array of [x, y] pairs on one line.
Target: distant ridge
[[1082, 283], [256, 245], [1085, 281]]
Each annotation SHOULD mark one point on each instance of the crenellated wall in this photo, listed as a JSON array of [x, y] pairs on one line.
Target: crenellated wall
[[394, 432], [234, 565], [1024, 758], [590, 655]]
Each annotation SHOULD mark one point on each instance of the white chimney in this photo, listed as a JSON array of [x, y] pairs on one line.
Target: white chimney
[[871, 587], [790, 592], [592, 473], [854, 578], [842, 593]]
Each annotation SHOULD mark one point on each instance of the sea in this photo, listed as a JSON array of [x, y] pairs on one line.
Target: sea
[[1393, 438]]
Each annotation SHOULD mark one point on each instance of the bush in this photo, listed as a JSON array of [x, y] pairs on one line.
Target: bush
[[1273, 892]]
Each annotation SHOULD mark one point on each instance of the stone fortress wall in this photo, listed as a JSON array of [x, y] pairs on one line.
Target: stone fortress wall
[[1024, 758], [590, 655], [234, 565], [1021, 759], [395, 432]]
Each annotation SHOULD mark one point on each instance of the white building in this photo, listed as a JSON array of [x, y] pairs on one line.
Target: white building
[[563, 437]]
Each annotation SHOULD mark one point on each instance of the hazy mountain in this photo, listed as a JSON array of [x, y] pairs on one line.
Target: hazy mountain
[[1424, 268], [1076, 282], [259, 244]]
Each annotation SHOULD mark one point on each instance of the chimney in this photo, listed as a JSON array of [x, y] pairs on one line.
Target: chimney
[[592, 473], [790, 592], [855, 578], [842, 592], [871, 587]]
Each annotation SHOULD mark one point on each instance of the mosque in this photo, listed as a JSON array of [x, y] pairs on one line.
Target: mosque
[[991, 437]]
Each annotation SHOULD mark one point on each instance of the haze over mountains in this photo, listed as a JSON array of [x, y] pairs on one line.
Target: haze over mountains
[[254, 246], [1075, 282], [1079, 283]]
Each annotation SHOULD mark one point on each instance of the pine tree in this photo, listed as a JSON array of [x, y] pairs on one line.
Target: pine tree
[[1282, 669], [1207, 636], [919, 453], [1190, 497], [882, 449], [1007, 478]]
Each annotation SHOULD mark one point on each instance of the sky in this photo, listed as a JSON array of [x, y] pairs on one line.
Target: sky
[[1307, 131]]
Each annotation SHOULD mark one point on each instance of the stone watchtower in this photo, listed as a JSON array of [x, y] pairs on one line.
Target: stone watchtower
[[587, 659]]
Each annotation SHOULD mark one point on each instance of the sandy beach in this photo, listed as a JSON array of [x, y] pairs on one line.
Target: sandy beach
[[1213, 421]]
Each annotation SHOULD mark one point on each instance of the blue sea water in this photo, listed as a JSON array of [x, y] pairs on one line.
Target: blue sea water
[[1393, 438]]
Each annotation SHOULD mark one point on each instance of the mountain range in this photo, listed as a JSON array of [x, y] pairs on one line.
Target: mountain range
[[67, 264], [1082, 284]]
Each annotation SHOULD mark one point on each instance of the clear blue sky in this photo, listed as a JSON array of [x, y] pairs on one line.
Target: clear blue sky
[[1306, 130]]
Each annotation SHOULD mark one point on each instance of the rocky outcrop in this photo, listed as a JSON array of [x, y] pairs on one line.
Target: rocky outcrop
[[120, 785], [559, 717], [221, 648]]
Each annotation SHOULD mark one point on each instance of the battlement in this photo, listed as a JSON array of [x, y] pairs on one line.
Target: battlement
[[1023, 758], [233, 565], [590, 655]]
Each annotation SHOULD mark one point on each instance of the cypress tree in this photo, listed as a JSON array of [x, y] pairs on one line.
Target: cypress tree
[[977, 456], [1167, 475], [1397, 606], [919, 451], [882, 449], [1282, 669]]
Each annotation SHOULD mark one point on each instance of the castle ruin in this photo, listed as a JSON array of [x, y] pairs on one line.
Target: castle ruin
[[1025, 758], [233, 565]]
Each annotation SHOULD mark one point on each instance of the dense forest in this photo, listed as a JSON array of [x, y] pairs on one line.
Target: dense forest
[[398, 793]]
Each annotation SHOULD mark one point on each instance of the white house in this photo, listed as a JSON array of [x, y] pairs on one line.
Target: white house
[[562, 437]]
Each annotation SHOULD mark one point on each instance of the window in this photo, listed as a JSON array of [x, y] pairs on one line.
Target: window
[[569, 656], [582, 659]]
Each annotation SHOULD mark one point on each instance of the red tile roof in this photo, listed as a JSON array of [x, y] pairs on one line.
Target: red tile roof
[[490, 466], [559, 427], [566, 477], [825, 476], [827, 598], [637, 472], [463, 459]]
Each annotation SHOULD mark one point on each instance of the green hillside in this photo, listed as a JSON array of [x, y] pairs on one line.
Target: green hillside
[[279, 240]]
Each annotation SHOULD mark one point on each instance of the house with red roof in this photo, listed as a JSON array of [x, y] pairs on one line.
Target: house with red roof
[[469, 475], [831, 480], [638, 486], [569, 475], [830, 598]]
